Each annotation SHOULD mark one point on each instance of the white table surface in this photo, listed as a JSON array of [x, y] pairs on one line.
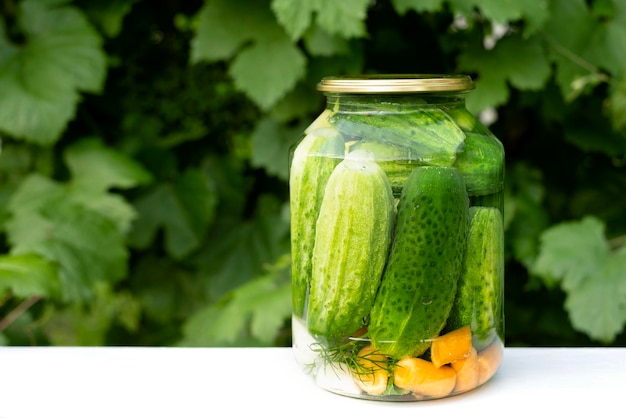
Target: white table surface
[[236, 382]]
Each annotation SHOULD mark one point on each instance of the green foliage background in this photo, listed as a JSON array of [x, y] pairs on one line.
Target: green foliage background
[[145, 157]]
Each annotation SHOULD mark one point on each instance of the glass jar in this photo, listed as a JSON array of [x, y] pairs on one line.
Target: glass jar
[[396, 197]]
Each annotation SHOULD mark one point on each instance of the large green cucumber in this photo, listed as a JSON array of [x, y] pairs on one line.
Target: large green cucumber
[[428, 132], [479, 296], [397, 162], [419, 283], [352, 239], [481, 162], [314, 159]]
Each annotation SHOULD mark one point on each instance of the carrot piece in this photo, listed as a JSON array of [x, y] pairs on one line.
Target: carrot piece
[[423, 378], [451, 346], [489, 361], [370, 374], [467, 372]]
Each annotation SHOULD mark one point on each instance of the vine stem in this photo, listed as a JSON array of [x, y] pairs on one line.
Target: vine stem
[[577, 59], [17, 311]]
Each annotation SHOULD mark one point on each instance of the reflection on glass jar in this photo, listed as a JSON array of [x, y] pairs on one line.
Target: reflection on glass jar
[[396, 195]]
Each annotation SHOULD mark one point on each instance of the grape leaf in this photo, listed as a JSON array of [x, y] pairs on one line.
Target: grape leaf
[[238, 250], [100, 168], [294, 16], [535, 13], [403, 6], [41, 79], [592, 133], [617, 103], [87, 324], [597, 306], [593, 278], [224, 26], [521, 62], [28, 275], [524, 213], [266, 84], [266, 64], [572, 251], [583, 43], [107, 14], [258, 309], [270, 146], [319, 43], [606, 47], [95, 169], [183, 209], [87, 246], [345, 18]]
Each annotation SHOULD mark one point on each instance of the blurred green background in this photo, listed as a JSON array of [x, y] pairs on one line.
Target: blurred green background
[[143, 174]]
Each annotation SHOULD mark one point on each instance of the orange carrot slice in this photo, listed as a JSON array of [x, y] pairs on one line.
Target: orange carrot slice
[[423, 378], [467, 372], [451, 346], [489, 361], [371, 374]]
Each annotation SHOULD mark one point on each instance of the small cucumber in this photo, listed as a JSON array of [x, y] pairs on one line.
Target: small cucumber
[[481, 162], [352, 239], [313, 161], [431, 135], [419, 283], [479, 296]]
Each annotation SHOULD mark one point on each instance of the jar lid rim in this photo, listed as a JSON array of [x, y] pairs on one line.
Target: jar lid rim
[[396, 83]]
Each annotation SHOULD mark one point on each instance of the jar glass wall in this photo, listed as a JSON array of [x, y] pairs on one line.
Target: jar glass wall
[[396, 197]]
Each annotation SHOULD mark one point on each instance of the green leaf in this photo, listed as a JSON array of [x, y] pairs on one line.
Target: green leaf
[[270, 146], [403, 6], [264, 83], [238, 250], [87, 324], [592, 133], [572, 251], [247, 32], [100, 168], [525, 216], [294, 16], [345, 18], [28, 275], [183, 209], [535, 13], [597, 306], [520, 62], [107, 14], [319, 43], [95, 169], [252, 314], [617, 103], [224, 26], [606, 47], [586, 42], [87, 246], [41, 80]]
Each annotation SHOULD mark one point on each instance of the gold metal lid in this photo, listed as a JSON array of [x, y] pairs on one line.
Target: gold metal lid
[[396, 83]]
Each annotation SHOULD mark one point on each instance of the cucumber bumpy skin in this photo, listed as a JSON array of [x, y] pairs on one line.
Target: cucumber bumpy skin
[[481, 162], [419, 283], [480, 290], [313, 161], [352, 239]]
